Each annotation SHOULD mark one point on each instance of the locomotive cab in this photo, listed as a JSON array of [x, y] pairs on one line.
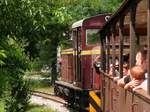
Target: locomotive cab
[[78, 73]]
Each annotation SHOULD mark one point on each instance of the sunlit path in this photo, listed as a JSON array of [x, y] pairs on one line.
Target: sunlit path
[[48, 103]]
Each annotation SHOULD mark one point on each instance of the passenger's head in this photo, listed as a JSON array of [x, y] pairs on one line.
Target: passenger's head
[[117, 64], [125, 68], [126, 58], [137, 73], [141, 57]]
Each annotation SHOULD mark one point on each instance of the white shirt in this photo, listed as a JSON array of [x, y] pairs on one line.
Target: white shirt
[[143, 86]]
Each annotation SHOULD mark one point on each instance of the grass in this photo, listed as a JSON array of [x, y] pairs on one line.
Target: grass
[[41, 85], [37, 108], [40, 81], [41, 74], [46, 89]]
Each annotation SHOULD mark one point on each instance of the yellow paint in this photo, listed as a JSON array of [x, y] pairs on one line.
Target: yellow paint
[[93, 52], [95, 98], [91, 109], [85, 52], [90, 52], [67, 52]]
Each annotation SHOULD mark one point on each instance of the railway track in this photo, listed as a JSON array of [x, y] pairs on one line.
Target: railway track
[[49, 97], [56, 99]]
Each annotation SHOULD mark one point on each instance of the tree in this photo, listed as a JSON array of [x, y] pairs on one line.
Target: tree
[[21, 22]]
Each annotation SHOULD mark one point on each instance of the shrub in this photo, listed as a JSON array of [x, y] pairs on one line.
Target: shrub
[[15, 88]]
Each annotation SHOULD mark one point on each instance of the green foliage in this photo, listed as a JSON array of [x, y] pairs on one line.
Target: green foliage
[[110, 5], [19, 98], [70, 11], [2, 55], [2, 104], [16, 56], [21, 17], [39, 83], [12, 85], [36, 64]]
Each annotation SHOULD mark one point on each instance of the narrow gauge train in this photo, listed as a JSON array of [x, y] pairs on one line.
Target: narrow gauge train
[[130, 24], [78, 75]]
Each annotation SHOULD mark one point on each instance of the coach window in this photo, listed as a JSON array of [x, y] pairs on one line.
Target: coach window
[[92, 36]]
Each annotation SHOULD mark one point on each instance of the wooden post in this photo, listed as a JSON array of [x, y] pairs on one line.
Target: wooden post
[[113, 49], [132, 33], [102, 68], [103, 52], [108, 53], [148, 40], [121, 45]]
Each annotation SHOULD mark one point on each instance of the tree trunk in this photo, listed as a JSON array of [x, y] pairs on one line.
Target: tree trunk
[[54, 73], [53, 63]]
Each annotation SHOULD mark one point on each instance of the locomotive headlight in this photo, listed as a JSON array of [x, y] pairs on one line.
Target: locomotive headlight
[[98, 64]]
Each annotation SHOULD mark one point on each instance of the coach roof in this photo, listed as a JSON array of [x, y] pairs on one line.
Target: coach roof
[[124, 11]]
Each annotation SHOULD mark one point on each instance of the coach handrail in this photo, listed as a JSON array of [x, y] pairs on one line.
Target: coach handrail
[[139, 93]]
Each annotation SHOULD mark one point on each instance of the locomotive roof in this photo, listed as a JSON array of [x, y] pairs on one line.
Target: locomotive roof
[[81, 22], [78, 23]]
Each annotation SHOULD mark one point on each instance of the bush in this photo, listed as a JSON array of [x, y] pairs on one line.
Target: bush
[[19, 98], [15, 89], [2, 106]]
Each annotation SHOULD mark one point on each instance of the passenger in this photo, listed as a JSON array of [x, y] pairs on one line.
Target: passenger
[[116, 68], [143, 86], [125, 71], [141, 61], [141, 58], [111, 70], [97, 64], [137, 75]]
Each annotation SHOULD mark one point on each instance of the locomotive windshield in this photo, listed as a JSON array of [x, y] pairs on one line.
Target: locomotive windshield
[[92, 36]]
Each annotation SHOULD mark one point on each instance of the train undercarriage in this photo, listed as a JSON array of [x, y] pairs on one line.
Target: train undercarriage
[[76, 97]]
